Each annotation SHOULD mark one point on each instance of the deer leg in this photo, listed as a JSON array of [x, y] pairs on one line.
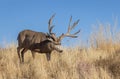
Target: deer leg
[[18, 51], [48, 55], [22, 54], [33, 54]]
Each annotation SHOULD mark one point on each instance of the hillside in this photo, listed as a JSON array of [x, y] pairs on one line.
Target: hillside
[[100, 60]]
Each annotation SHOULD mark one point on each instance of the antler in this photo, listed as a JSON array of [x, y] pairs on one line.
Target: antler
[[50, 26], [69, 29]]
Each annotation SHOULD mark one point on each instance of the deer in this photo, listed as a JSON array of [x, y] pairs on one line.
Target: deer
[[41, 42]]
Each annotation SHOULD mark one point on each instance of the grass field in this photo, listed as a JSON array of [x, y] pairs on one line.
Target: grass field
[[100, 60]]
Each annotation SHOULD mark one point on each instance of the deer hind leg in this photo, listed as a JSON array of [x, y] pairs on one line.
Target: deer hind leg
[[22, 54], [48, 56], [18, 51]]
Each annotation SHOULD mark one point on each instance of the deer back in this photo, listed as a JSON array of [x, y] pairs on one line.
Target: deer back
[[29, 37]]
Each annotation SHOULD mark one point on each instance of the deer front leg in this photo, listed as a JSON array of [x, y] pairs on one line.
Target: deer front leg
[[48, 55], [22, 54], [33, 54], [18, 51]]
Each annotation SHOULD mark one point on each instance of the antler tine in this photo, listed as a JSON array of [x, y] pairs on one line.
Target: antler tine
[[50, 29], [49, 23], [74, 24], [69, 24], [77, 32], [73, 35]]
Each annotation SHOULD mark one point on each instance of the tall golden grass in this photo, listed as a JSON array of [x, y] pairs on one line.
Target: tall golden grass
[[101, 60]]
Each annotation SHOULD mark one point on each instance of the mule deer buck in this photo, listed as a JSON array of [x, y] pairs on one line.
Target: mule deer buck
[[41, 42]]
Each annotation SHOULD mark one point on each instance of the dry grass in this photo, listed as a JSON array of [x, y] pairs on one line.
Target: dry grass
[[99, 61]]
